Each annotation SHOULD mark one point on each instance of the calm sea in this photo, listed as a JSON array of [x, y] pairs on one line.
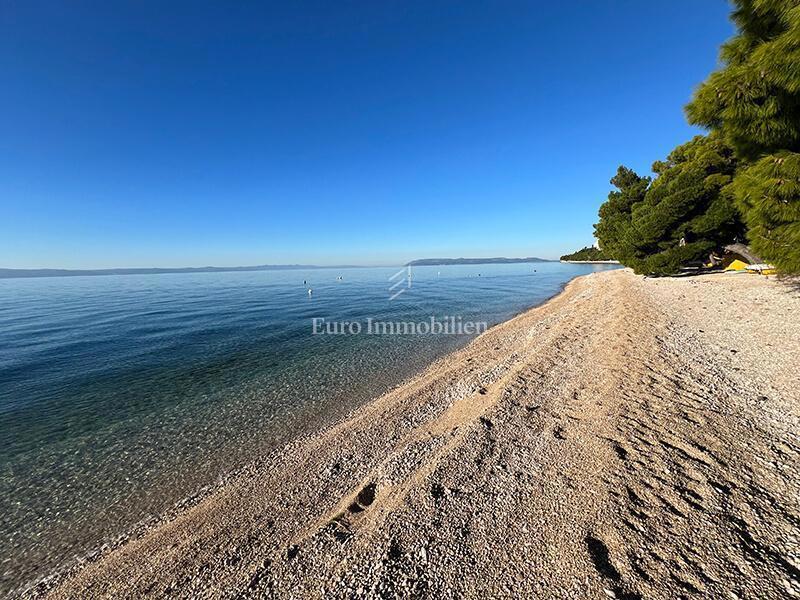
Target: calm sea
[[120, 395]]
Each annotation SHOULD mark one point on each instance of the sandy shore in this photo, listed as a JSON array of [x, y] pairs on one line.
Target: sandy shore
[[630, 438]]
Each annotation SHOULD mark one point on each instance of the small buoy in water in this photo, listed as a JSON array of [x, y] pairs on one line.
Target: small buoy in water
[[310, 291], [304, 282]]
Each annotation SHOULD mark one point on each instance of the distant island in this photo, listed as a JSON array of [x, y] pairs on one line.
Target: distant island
[[473, 261], [23, 273]]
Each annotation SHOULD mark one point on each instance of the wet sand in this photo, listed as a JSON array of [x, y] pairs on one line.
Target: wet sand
[[630, 438]]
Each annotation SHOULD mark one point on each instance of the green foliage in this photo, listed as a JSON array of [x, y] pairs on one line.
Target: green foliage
[[768, 196], [587, 253], [698, 200], [754, 102], [613, 231], [754, 99], [680, 217]]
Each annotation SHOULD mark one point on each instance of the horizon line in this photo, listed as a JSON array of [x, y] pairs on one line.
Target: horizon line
[[22, 273]]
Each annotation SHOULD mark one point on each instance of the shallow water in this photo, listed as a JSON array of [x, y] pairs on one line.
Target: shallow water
[[120, 395]]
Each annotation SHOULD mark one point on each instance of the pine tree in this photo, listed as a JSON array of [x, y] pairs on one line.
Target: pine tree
[[767, 196], [754, 102], [686, 213], [613, 231], [658, 226], [754, 98]]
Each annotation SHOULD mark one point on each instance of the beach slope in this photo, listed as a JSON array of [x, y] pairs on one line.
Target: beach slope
[[630, 438]]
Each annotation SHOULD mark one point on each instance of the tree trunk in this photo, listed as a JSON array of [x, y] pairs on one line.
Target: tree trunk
[[744, 252]]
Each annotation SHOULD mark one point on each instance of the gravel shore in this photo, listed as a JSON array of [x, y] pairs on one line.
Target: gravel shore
[[631, 438]]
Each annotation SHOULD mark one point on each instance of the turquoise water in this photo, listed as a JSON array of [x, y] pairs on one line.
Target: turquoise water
[[121, 395]]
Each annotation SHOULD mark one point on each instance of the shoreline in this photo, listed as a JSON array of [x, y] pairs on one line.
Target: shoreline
[[591, 262], [525, 387]]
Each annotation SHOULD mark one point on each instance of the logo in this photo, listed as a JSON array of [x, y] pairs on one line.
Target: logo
[[403, 283]]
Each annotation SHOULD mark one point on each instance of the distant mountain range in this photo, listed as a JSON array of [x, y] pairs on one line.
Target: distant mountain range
[[28, 273], [474, 261], [18, 273]]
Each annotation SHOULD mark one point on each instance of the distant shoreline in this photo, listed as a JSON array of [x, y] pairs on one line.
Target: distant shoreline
[[592, 262], [32, 273], [36, 273]]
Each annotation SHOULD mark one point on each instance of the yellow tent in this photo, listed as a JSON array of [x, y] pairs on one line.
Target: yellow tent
[[736, 265]]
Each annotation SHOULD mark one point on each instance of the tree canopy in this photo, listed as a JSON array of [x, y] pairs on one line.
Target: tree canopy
[[613, 231], [740, 181], [754, 102], [753, 99], [767, 196], [589, 253], [678, 217]]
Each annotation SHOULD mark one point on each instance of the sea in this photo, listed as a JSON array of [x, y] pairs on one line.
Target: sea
[[122, 395]]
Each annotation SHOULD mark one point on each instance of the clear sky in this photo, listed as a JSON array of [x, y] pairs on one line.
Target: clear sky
[[138, 134]]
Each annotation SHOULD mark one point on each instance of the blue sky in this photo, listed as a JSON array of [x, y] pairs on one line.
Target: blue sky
[[233, 133]]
